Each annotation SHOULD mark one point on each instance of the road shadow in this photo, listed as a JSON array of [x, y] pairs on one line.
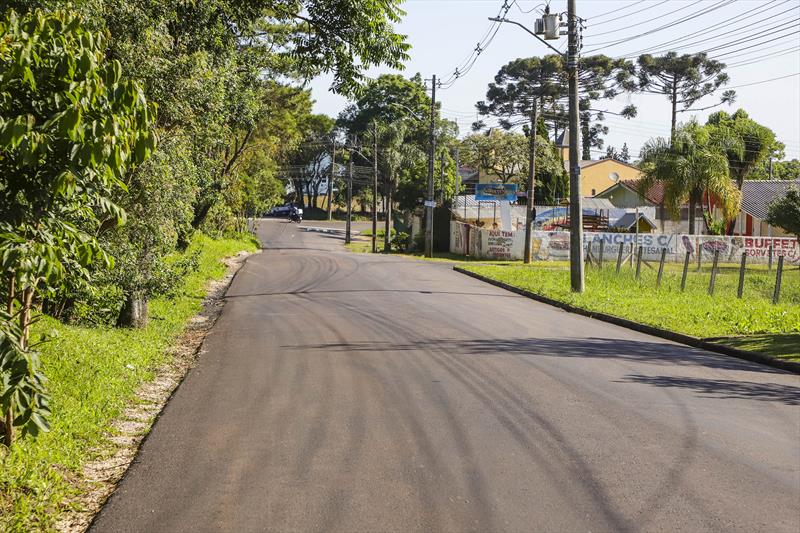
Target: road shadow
[[723, 388], [656, 353]]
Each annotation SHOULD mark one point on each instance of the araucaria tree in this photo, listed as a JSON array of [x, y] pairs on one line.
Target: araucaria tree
[[684, 79], [544, 79], [70, 127]]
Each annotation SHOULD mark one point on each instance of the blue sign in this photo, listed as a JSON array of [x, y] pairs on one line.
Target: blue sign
[[496, 191]]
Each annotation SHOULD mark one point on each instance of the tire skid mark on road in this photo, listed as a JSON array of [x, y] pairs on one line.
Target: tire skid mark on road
[[481, 506], [338, 497], [491, 394]]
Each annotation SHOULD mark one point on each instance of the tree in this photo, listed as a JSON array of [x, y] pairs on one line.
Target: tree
[[684, 79], [70, 128], [624, 155], [754, 142], [499, 153], [519, 82], [785, 212], [692, 164]]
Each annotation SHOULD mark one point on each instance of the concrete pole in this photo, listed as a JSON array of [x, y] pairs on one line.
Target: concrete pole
[[430, 199], [374, 186], [330, 181], [575, 208]]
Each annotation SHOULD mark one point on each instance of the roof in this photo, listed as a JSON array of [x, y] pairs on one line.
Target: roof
[[628, 220], [654, 194], [563, 140], [758, 194], [597, 203]]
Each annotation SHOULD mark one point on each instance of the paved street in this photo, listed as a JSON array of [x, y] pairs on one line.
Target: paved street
[[346, 392]]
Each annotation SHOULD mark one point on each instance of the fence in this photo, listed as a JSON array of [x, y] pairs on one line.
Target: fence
[[494, 244]]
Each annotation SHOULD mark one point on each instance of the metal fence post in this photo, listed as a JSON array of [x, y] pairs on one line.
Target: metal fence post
[[661, 266], [632, 254], [685, 270], [619, 256], [740, 290], [770, 257], [638, 262], [713, 279], [776, 296]]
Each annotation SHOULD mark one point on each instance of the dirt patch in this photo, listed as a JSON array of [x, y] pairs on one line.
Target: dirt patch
[[100, 476]]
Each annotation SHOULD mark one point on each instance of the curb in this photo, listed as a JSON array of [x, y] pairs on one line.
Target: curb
[[328, 230], [754, 357]]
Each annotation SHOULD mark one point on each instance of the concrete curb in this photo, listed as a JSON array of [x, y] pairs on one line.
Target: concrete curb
[[695, 342], [328, 230]]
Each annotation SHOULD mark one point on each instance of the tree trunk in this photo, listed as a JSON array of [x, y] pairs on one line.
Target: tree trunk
[[8, 425], [692, 205], [134, 312], [674, 109]]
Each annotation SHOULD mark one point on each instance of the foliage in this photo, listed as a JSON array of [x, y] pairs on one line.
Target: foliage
[[684, 79], [70, 127], [754, 143], [94, 373], [622, 155], [785, 212], [399, 242], [506, 155], [691, 164]]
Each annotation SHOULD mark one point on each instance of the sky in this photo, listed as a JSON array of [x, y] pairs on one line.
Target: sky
[[758, 39]]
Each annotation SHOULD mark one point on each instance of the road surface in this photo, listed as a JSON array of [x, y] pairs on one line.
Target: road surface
[[347, 392]]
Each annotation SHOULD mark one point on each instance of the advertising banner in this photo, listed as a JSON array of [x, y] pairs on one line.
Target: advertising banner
[[496, 191]]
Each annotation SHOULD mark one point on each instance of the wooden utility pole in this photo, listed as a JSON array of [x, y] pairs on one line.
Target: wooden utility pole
[[575, 208], [330, 181], [530, 212], [430, 202], [374, 186]]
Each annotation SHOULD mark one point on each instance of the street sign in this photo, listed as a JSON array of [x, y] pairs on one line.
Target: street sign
[[496, 191], [430, 203]]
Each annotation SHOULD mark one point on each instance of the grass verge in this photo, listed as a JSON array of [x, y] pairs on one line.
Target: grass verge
[[751, 323], [93, 374]]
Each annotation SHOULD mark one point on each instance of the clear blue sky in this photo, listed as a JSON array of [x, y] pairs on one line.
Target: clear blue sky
[[761, 41]]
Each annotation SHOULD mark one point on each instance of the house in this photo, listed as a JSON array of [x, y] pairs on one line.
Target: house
[[625, 195], [756, 197], [600, 174], [627, 223]]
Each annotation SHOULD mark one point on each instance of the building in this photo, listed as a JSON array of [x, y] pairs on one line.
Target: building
[[756, 197], [600, 174], [625, 195]]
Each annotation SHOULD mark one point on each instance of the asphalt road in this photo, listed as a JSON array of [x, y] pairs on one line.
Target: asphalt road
[[345, 392]]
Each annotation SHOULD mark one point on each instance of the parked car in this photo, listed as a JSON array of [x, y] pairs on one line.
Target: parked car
[[280, 211]]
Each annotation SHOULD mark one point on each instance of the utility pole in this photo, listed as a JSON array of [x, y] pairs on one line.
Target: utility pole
[[575, 208], [374, 185], [430, 202], [349, 201], [530, 211], [330, 181]]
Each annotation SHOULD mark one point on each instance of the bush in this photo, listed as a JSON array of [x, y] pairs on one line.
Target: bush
[[400, 242]]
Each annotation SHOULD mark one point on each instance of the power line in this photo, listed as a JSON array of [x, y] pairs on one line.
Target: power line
[[704, 11], [687, 6], [622, 9]]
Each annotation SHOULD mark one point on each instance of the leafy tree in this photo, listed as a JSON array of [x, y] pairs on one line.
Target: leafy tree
[[622, 155], [786, 170], [70, 128], [690, 165], [754, 142], [499, 153], [785, 212], [684, 79]]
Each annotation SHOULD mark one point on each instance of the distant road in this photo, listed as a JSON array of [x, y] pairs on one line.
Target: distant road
[[345, 392]]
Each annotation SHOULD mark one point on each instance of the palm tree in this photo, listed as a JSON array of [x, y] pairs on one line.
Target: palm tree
[[691, 164]]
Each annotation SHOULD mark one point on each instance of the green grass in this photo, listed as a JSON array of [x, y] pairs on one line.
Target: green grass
[[692, 312], [91, 384]]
